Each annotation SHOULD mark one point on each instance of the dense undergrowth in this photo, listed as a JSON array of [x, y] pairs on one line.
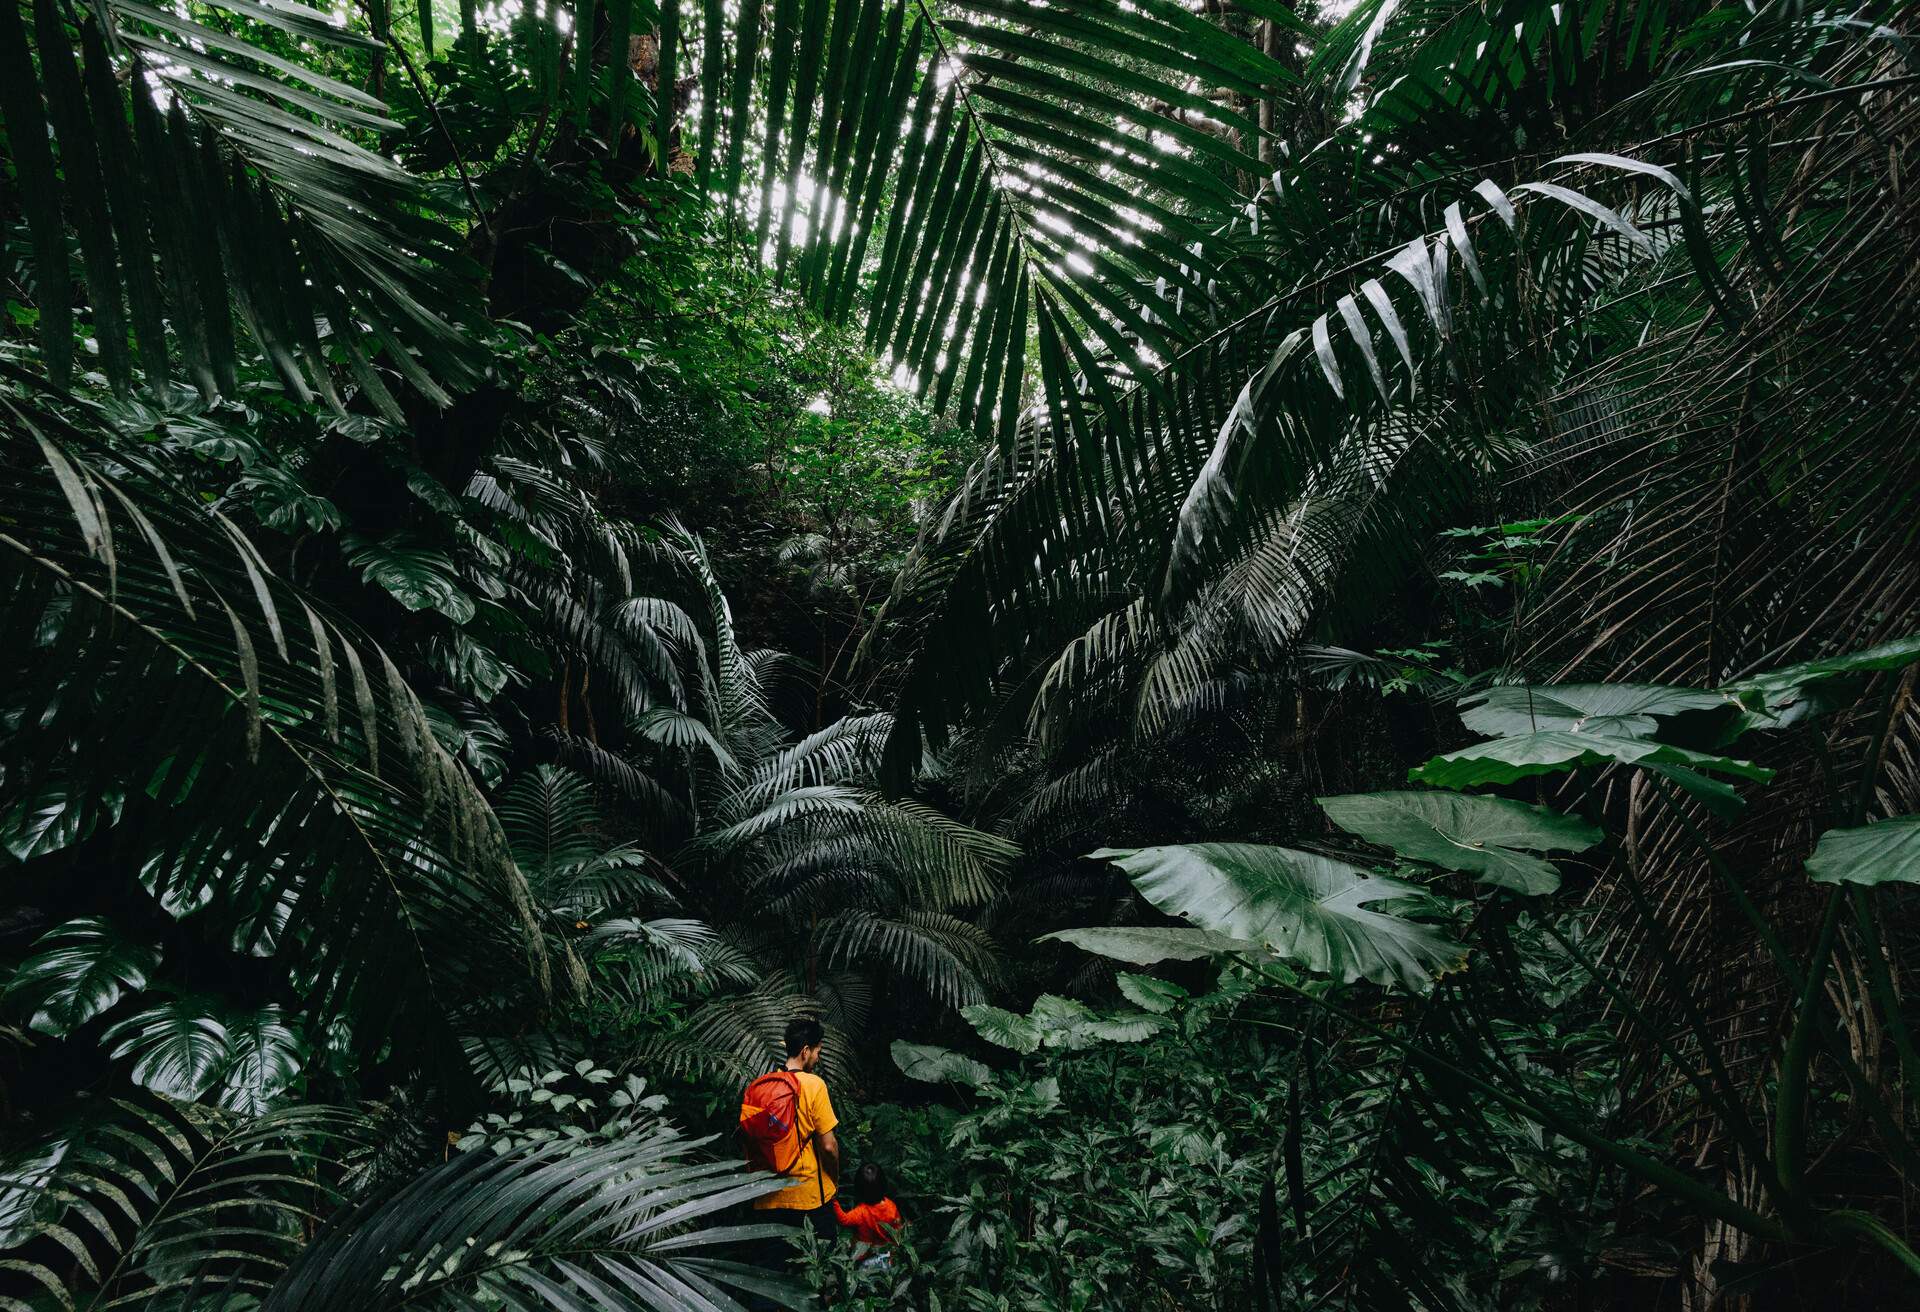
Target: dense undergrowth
[[1298, 627]]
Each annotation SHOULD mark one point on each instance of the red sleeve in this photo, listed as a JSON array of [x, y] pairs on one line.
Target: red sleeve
[[846, 1217]]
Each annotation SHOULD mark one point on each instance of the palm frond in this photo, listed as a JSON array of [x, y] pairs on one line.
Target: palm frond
[[290, 783], [1289, 454], [620, 1224], [156, 1204], [948, 957], [977, 163], [209, 180]]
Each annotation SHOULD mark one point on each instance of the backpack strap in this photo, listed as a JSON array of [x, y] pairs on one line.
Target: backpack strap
[[800, 1146], [819, 1167]]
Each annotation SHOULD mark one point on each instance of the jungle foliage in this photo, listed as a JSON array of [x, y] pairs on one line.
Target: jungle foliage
[[1298, 626]]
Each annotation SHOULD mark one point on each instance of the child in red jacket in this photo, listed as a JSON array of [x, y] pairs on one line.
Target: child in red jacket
[[874, 1218]]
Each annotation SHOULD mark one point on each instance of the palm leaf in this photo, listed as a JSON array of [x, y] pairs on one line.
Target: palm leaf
[[290, 783], [1307, 908], [249, 189], [157, 1204], [621, 1224]]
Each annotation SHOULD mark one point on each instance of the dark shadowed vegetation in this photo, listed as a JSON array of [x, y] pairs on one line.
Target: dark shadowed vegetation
[[1296, 626]]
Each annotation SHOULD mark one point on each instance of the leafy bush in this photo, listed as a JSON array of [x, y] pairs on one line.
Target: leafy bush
[[1102, 1174]]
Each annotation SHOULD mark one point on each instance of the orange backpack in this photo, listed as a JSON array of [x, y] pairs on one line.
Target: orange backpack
[[770, 1122]]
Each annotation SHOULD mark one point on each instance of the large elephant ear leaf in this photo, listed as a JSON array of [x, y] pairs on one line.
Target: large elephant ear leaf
[[1057, 1022], [1781, 697], [1158, 996], [933, 1065], [1887, 852], [79, 970], [1120, 1027], [1622, 710], [1554, 751], [1307, 908], [1475, 835], [1003, 1028], [1148, 945]]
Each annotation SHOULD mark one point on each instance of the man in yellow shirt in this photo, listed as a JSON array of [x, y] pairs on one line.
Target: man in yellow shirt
[[808, 1200]]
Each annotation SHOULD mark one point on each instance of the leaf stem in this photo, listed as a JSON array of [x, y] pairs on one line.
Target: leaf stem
[[1790, 1096], [433, 109], [1710, 1201], [1876, 1232], [1726, 1098]]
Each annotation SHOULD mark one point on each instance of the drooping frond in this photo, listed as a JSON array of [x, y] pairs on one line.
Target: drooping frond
[[950, 958], [216, 187], [624, 1223], [551, 824], [981, 163], [127, 1198], [288, 785], [1304, 441]]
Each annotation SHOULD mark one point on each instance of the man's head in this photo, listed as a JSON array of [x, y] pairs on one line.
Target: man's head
[[804, 1037]]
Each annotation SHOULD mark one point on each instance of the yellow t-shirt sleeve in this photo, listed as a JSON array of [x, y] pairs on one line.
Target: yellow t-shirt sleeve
[[820, 1107]]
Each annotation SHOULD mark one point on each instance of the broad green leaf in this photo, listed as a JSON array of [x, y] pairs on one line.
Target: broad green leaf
[[1051, 1012], [263, 1058], [1623, 710], [999, 1026], [1716, 795], [1503, 760], [51, 821], [1066, 1023], [178, 1048], [1057, 1022], [1886, 852], [1158, 996], [1894, 655], [1473, 834], [1118, 1028], [419, 578], [934, 1065], [1310, 909], [1782, 697], [79, 970], [1147, 945]]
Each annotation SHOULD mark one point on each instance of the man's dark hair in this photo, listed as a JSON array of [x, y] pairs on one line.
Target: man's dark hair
[[803, 1032]]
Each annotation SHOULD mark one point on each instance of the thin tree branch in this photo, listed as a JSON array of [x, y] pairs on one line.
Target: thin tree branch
[[426, 98]]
